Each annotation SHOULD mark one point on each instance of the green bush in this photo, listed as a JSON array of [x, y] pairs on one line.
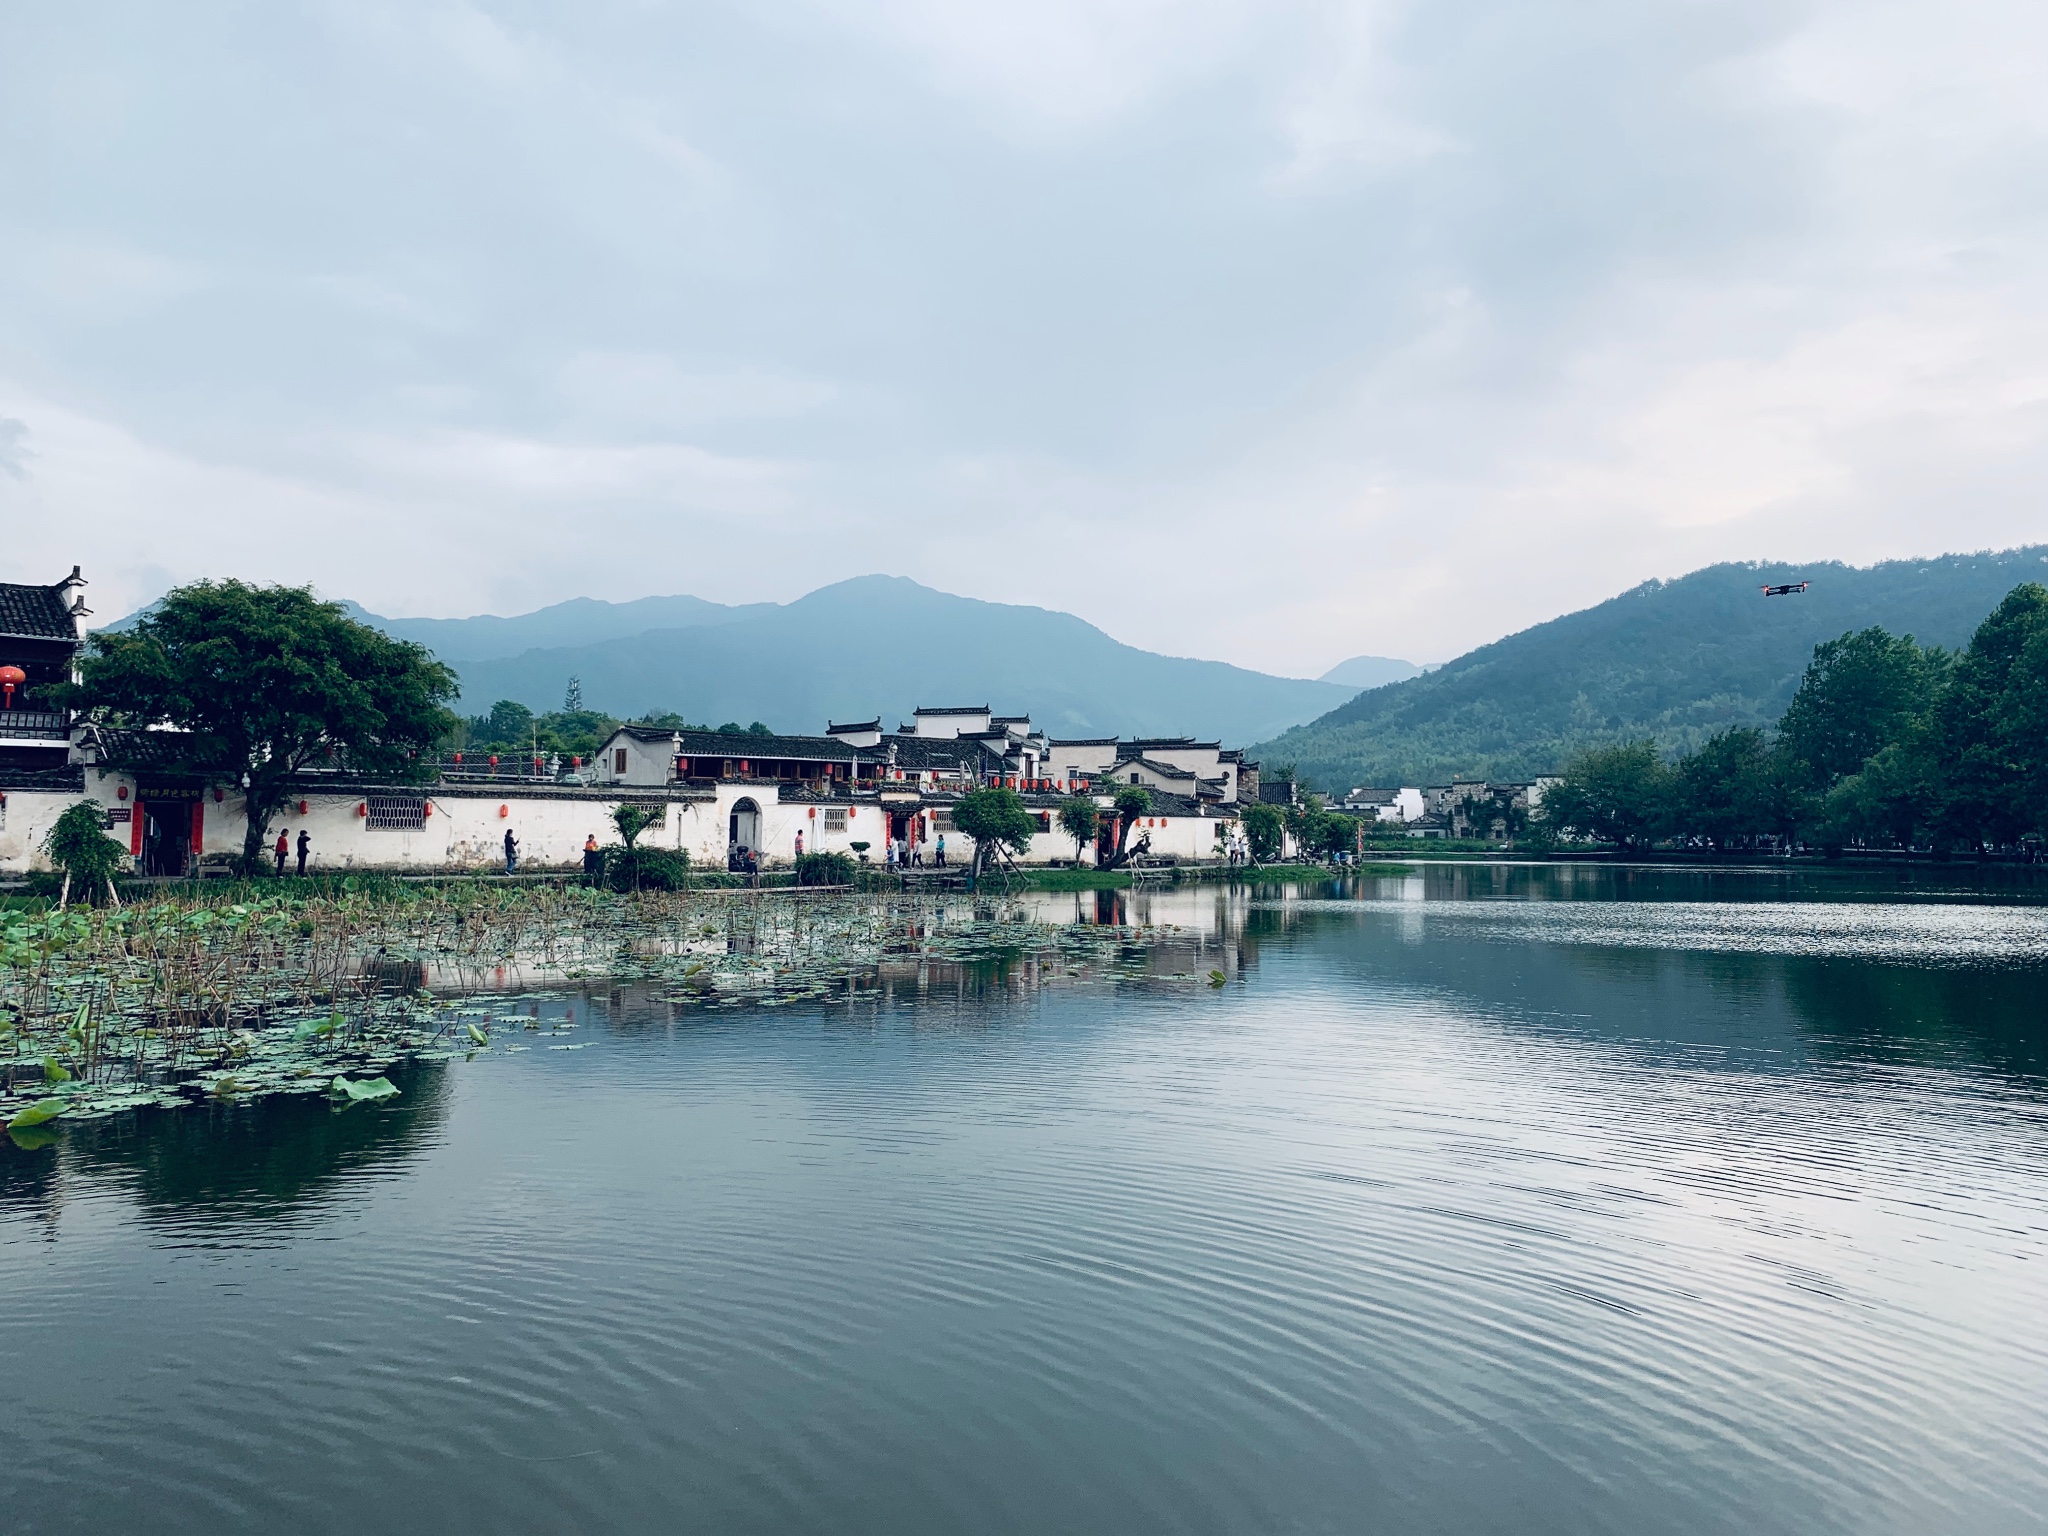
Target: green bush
[[646, 869], [824, 869]]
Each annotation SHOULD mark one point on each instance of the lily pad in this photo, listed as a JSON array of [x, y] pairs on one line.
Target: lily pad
[[37, 1113], [368, 1090]]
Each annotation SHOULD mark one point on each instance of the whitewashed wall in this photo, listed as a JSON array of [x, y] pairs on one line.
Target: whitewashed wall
[[466, 830], [25, 820]]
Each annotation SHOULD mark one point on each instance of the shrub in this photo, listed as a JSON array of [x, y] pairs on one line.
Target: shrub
[[824, 869], [646, 869]]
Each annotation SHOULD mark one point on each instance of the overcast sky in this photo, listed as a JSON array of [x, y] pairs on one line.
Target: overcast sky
[[1257, 331]]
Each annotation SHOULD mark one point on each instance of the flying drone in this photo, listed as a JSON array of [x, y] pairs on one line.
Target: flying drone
[[1787, 589]]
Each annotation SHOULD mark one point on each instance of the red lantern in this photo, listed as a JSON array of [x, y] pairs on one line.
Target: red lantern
[[494, 759], [504, 810], [362, 810], [11, 678], [219, 794], [458, 757], [427, 809], [575, 762], [814, 813], [121, 793], [303, 807]]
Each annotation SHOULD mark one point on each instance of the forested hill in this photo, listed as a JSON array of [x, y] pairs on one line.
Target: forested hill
[[1671, 660]]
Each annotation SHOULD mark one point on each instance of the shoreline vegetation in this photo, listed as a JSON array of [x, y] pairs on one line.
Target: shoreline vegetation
[[201, 996]]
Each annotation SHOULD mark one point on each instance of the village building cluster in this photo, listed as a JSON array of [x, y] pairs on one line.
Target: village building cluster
[[737, 800]]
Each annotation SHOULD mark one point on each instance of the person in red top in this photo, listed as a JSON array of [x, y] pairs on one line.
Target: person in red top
[[284, 847]]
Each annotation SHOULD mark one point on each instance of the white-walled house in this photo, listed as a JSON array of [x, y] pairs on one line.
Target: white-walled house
[[712, 794]]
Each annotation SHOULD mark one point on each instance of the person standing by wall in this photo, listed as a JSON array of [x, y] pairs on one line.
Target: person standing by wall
[[939, 852], [283, 851], [799, 842], [305, 848], [511, 852], [593, 857]]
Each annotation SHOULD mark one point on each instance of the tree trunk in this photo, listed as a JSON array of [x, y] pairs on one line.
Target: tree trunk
[[64, 892], [254, 835]]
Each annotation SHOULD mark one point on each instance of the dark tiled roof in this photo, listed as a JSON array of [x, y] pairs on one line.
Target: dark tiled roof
[[1141, 743], [1153, 765], [928, 752], [962, 709], [34, 613], [122, 747], [64, 780], [1277, 794], [646, 732], [1082, 741], [823, 749], [833, 726]]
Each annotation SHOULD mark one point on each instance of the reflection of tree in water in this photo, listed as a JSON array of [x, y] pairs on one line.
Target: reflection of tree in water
[[262, 1159], [1997, 1017]]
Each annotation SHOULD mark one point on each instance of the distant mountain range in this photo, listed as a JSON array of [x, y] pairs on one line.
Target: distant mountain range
[[1670, 660], [1372, 671], [845, 652]]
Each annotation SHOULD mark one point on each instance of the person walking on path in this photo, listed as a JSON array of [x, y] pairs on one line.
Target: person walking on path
[[511, 852], [593, 858], [939, 852], [305, 847], [799, 842], [889, 855], [283, 851]]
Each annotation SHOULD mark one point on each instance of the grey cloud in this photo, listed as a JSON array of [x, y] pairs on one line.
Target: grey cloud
[[1274, 303]]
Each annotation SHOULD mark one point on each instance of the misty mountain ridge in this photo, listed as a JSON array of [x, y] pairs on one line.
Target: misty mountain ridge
[[1373, 671], [849, 650], [1671, 661]]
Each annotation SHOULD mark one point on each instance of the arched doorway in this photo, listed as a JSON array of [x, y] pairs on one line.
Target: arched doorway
[[743, 831]]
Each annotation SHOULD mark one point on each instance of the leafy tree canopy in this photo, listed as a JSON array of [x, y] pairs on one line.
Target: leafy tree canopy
[[1858, 693], [1264, 832], [1618, 794], [266, 682], [997, 820], [77, 843], [1080, 820]]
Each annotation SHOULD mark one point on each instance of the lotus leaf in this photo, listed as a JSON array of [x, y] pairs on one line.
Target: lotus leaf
[[37, 1113], [367, 1091]]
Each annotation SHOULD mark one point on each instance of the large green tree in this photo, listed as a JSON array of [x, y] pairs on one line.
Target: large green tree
[[1991, 726], [1132, 801], [1265, 833], [997, 820], [263, 683], [1080, 820], [1860, 693], [1617, 794], [1732, 791]]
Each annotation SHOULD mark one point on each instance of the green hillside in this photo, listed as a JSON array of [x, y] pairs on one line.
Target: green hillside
[[1671, 660]]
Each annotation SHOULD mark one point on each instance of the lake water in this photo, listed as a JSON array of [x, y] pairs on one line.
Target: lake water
[[1476, 1200]]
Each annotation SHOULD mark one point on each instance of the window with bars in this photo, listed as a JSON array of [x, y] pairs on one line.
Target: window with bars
[[835, 818], [396, 813]]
